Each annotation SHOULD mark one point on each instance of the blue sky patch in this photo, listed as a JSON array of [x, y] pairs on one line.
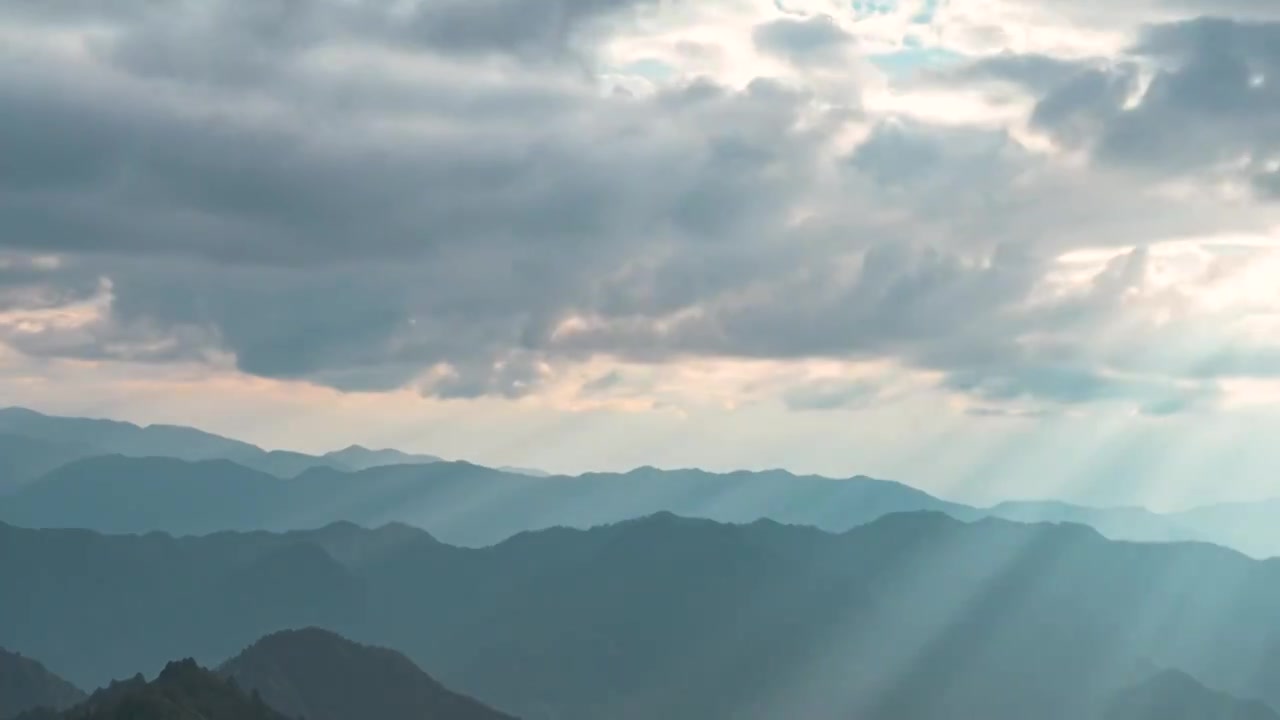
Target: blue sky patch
[[649, 68], [927, 13], [872, 8], [911, 59]]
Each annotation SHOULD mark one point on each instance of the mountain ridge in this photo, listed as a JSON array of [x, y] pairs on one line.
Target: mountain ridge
[[182, 691], [463, 503], [915, 615], [319, 675], [100, 436], [502, 497], [460, 502]]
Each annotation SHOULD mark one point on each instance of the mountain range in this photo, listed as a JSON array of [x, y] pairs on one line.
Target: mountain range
[[915, 615], [119, 477], [31, 444], [318, 675], [461, 503], [308, 673], [679, 594]]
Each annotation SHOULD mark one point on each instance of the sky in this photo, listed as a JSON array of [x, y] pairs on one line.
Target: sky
[[992, 248]]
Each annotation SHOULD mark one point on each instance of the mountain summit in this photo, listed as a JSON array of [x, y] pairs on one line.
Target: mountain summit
[[320, 675], [358, 457], [183, 691]]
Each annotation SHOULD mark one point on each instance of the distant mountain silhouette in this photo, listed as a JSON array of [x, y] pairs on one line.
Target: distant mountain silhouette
[[84, 437], [25, 685], [1127, 523], [1173, 695], [470, 505], [319, 675], [1251, 527], [25, 459], [458, 502], [356, 457], [114, 493], [910, 616], [183, 691], [113, 436], [531, 472]]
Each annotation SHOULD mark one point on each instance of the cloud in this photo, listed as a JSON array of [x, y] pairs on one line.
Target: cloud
[[603, 383], [529, 28], [1008, 412], [816, 39], [227, 41], [1207, 109], [326, 253], [830, 394], [355, 196], [1074, 386], [1037, 73]]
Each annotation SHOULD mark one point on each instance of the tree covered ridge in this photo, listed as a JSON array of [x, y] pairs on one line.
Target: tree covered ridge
[[182, 691], [310, 674], [320, 675]]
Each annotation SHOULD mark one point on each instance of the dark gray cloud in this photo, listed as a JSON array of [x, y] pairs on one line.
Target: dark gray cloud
[[359, 256], [1211, 106], [1076, 98], [1064, 384], [1217, 103], [30, 283], [159, 178], [1037, 73], [1083, 105], [814, 39], [224, 41], [529, 28], [339, 193]]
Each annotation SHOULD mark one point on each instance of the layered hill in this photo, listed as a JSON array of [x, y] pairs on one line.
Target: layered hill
[[357, 457], [319, 675], [458, 502], [25, 684], [163, 477], [910, 616], [24, 459], [182, 691], [32, 443]]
